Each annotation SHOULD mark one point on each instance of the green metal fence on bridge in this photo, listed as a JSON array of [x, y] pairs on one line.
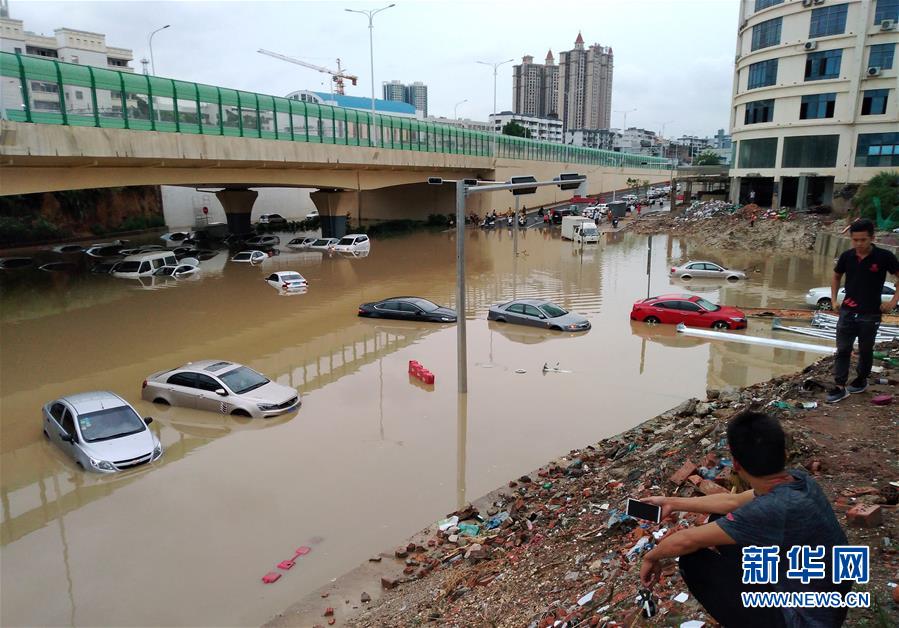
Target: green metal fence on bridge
[[47, 91]]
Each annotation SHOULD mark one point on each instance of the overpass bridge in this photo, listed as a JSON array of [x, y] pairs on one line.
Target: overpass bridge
[[67, 126]]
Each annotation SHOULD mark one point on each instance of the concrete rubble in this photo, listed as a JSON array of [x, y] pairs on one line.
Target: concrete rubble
[[553, 547]]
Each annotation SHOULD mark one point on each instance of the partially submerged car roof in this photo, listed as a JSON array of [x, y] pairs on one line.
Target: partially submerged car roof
[[94, 401], [210, 366]]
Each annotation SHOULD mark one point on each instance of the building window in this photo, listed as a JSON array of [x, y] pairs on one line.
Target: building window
[[886, 10], [760, 153], [18, 50], [810, 151], [79, 95], [764, 4], [762, 74], [877, 149], [828, 21], [874, 102], [74, 58], [881, 56], [823, 65], [766, 34], [759, 111], [817, 106]]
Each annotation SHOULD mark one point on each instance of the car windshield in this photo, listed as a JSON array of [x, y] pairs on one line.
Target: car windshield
[[127, 267], [321, 242], [346, 241], [553, 311], [424, 304], [164, 271], [242, 380], [291, 277], [109, 423], [707, 305]]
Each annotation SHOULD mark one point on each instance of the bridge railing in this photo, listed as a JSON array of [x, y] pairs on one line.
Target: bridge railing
[[43, 90]]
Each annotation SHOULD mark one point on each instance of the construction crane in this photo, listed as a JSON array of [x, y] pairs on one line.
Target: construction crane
[[337, 77]]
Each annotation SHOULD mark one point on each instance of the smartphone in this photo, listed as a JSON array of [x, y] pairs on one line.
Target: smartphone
[[642, 510]]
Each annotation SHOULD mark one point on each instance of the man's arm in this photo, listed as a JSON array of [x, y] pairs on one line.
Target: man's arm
[[717, 504], [835, 288], [680, 543]]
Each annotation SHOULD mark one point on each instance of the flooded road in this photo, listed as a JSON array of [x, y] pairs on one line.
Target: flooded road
[[371, 457]]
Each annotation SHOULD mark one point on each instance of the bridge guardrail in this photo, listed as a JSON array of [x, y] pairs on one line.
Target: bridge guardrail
[[47, 91]]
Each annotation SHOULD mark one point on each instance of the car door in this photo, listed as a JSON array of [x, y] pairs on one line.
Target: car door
[[693, 315], [515, 313], [207, 398], [182, 389], [667, 312], [534, 317], [713, 270], [389, 309], [53, 422], [68, 427], [695, 270], [274, 280], [411, 311]]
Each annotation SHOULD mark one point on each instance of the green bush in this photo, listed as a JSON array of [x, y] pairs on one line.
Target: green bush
[[25, 230], [437, 220], [98, 229], [139, 223], [885, 188]]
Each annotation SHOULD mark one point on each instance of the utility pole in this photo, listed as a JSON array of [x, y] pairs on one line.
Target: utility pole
[[495, 67]]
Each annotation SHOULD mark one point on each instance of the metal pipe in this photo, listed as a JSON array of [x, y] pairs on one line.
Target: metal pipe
[[152, 62], [461, 338], [754, 340]]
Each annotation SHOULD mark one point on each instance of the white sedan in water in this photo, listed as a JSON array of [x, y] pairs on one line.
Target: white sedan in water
[[286, 281], [250, 257], [820, 297], [706, 270]]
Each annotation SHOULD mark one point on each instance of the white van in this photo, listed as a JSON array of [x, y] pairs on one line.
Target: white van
[[570, 222], [143, 264], [353, 243], [586, 233]]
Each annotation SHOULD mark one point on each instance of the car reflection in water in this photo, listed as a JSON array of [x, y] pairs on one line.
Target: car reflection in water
[[530, 335], [665, 335]]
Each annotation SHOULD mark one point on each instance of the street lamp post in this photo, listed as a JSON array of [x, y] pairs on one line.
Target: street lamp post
[[495, 67], [625, 112], [370, 14], [153, 63], [456, 107]]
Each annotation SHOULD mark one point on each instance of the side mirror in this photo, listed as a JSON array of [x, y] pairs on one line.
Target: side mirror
[[148, 420], [221, 392], [65, 436]]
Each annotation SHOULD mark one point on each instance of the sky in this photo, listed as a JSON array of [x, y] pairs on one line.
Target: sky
[[673, 58]]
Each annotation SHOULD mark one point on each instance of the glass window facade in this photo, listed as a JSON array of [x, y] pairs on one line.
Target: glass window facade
[[816, 106], [764, 4], [762, 74], [829, 20], [874, 102], [881, 56], [886, 10], [823, 65], [766, 33], [759, 111], [760, 153], [810, 151], [877, 149]]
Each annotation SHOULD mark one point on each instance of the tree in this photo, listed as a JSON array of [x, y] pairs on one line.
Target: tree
[[878, 200], [706, 158], [516, 130]]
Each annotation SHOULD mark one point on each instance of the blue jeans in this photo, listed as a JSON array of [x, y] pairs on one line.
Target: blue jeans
[[852, 326]]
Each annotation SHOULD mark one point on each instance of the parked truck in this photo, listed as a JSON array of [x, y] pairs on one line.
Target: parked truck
[[579, 229]]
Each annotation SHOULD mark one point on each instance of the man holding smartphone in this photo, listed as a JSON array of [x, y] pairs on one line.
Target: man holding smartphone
[[784, 508]]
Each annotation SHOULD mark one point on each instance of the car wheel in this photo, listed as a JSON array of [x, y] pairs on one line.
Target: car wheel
[[825, 304], [500, 320], [686, 277], [652, 320], [47, 436], [556, 328], [720, 325], [240, 412], [733, 278], [161, 401]]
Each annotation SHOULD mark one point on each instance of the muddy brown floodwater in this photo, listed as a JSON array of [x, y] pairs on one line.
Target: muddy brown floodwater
[[370, 457]]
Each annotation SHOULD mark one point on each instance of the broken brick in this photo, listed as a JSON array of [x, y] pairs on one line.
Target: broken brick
[[683, 473], [328, 612], [865, 516], [389, 583], [707, 487], [695, 479]]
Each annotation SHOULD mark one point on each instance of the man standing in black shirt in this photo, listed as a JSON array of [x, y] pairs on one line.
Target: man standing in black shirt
[[865, 267]]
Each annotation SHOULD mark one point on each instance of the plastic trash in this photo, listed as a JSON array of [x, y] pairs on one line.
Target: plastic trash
[[469, 529], [807, 405], [681, 597], [446, 524], [270, 577], [496, 520]]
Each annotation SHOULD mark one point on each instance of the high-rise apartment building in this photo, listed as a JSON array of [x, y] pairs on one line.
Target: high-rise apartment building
[[814, 98], [415, 94], [585, 86], [535, 87]]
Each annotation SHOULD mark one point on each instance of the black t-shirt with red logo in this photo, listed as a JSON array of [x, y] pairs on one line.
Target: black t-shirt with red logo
[[865, 278]]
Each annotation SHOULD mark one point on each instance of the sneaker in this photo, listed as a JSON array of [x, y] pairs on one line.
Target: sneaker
[[835, 394], [858, 385]]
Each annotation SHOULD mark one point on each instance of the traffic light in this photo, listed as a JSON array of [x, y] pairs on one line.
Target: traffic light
[[568, 176], [523, 179]]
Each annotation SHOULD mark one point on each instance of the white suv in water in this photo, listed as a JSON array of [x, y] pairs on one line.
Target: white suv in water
[[353, 243]]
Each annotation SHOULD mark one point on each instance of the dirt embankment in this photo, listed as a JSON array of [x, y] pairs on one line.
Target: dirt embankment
[[552, 548], [719, 227]]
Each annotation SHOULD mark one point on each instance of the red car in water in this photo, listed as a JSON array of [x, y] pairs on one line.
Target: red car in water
[[688, 309]]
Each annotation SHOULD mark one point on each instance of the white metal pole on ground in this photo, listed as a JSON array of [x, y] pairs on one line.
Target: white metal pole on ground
[[515, 228], [461, 348], [754, 340]]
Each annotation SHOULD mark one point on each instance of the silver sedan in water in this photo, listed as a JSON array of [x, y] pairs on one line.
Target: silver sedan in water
[[538, 313], [706, 270], [100, 431], [221, 386]]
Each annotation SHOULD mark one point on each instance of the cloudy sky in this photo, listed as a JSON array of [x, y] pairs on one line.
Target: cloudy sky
[[673, 58]]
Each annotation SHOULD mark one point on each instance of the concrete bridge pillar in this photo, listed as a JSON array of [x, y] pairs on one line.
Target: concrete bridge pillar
[[238, 205]]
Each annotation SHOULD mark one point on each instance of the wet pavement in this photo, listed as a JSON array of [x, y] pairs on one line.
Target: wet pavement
[[372, 456]]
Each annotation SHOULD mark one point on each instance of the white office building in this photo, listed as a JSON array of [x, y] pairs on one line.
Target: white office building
[[546, 129], [814, 98]]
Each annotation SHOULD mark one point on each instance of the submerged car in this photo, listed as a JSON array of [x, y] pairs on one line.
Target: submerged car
[[820, 297], [706, 270], [287, 280], [250, 257], [263, 241], [408, 309], [538, 313], [178, 271], [324, 244], [353, 243], [100, 431], [688, 309], [220, 386], [142, 264], [272, 219], [300, 243]]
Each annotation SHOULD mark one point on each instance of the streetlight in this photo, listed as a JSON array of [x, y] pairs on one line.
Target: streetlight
[[152, 63], [371, 49], [456, 106], [495, 67], [625, 112]]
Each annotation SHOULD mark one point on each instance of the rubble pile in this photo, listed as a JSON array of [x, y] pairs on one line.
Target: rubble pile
[[554, 547], [703, 210]]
